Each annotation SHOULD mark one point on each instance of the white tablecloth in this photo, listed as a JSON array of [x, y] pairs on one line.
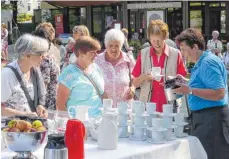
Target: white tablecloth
[[185, 148]]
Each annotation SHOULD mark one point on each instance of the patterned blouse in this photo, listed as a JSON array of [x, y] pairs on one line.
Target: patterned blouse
[[50, 71], [116, 77], [12, 95]]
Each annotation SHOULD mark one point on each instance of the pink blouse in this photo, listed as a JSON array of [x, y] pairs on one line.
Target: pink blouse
[[116, 77]]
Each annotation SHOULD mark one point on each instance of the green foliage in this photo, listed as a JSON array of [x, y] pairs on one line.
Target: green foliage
[[23, 17], [5, 6], [136, 44]]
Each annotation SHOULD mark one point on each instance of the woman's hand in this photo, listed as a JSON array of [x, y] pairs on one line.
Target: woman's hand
[[184, 89], [130, 93], [41, 111], [105, 96], [147, 77]]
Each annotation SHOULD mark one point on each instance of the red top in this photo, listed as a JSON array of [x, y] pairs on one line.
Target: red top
[[158, 94]]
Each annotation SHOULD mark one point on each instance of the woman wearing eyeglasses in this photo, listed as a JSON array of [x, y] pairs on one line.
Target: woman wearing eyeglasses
[[81, 83], [31, 50]]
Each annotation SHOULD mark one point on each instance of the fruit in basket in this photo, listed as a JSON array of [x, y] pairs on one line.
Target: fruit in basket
[[42, 128], [30, 130], [12, 123], [21, 125], [36, 124], [5, 129], [29, 125], [14, 130]]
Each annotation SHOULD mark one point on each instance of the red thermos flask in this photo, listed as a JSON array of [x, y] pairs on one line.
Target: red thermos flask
[[74, 139]]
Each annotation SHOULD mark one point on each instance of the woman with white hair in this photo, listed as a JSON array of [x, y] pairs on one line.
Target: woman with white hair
[[23, 89], [116, 67], [215, 45]]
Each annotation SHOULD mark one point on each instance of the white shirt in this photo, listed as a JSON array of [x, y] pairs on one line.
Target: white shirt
[[11, 93], [215, 44]]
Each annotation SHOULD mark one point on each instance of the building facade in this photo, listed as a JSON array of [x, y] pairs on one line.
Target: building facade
[[99, 16]]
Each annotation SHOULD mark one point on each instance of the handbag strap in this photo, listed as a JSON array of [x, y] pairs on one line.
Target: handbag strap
[[92, 82], [23, 87]]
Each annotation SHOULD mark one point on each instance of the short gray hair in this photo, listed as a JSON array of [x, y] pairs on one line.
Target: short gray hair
[[114, 35], [29, 44], [228, 44], [216, 32]]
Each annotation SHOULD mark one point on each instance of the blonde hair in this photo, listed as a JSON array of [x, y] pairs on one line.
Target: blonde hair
[[81, 29], [125, 31], [4, 26], [157, 27]]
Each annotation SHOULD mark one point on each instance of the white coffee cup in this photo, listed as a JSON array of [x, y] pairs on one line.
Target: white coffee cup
[[148, 133], [122, 107], [122, 118], [168, 134], [179, 130], [123, 131], [149, 119], [150, 107], [167, 121], [157, 123], [139, 121], [107, 104], [138, 132], [179, 118], [167, 109], [157, 136], [156, 71], [139, 109]]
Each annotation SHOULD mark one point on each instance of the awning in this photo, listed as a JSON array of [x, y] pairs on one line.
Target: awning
[[80, 3]]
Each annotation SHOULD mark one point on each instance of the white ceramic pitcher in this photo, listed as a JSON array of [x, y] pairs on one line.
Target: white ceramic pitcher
[[108, 132]]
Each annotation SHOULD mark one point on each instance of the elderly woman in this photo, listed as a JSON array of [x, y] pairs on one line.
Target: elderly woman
[[82, 83], [24, 71], [215, 45], [207, 95], [50, 67], [159, 54], [4, 41], [116, 67]]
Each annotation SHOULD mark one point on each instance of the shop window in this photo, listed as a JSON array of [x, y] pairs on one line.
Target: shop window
[[195, 4], [223, 21], [214, 4], [29, 7], [196, 19], [77, 16], [223, 4]]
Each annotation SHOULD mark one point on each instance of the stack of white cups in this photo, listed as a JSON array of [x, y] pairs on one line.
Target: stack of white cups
[[157, 130], [168, 121], [138, 121], [122, 118], [179, 121]]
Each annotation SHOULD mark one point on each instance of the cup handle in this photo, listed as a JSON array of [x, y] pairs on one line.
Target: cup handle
[[69, 113]]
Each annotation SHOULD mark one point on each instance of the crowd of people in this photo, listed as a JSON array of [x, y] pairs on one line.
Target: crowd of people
[[48, 75]]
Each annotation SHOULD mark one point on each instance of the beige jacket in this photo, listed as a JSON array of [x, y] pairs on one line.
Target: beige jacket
[[170, 69]]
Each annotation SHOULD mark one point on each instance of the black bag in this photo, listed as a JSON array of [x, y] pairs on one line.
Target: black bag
[[24, 88], [188, 128]]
